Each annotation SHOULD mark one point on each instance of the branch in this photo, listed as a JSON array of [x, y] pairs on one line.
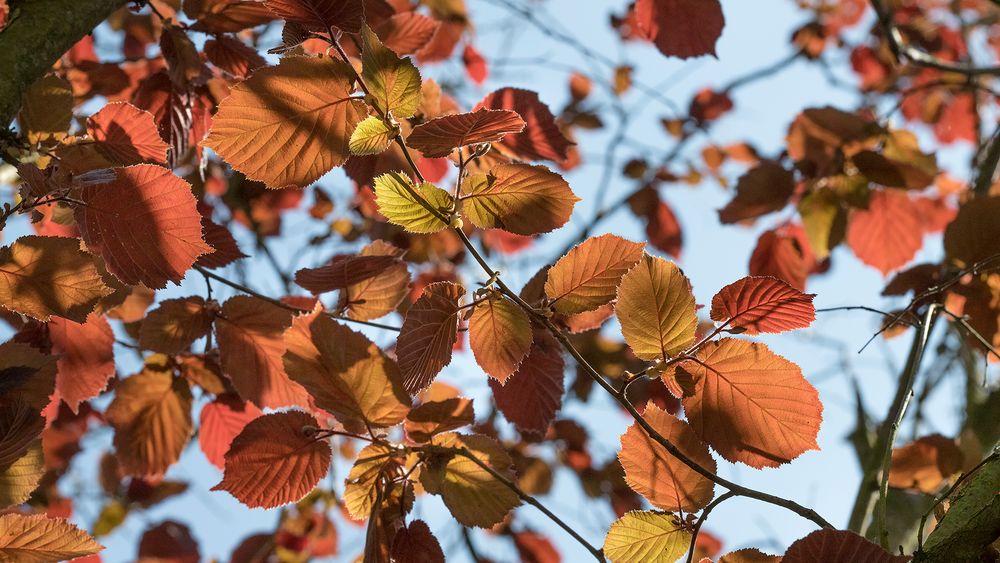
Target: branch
[[701, 520]]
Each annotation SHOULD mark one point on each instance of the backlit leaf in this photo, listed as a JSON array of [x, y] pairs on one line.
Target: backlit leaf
[[972, 236], [656, 474], [221, 421], [749, 555], [402, 208], [681, 28], [406, 32], [172, 327], [762, 190], [39, 539], [47, 110], [532, 395], [588, 275], [838, 545], [287, 125], [761, 304], [925, 464], [889, 233], [519, 198], [20, 426], [541, 138], [435, 417], [361, 486], [127, 135], [275, 460], [656, 309], [500, 337], [394, 83], [428, 334], [144, 224], [86, 357], [750, 404], [21, 478], [371, 136], [343, 271], [646, 537], [26, 375], [416, 544], [233, 56], [319, 15], [438, 137], [378, 295]]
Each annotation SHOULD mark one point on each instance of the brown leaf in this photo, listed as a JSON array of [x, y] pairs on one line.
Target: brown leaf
[[172, 327], [344, 271], [681, 28], [416, 544], [435, 417], [972, 236], [925, 464], [378, 295], [500, 337], [438, 137], [588, 275], [320, 15], [763, 189], [428, 334], [838, 545], [532, 395]]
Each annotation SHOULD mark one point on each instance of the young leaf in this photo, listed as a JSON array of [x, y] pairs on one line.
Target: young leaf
[[541, 138], [519, 198], [45, 276], [343, 271], [532, 395], [320, 15], [86, 357], [438, 137], [39, 539], [435, 417], [394, 83], [656, 309], [275, 460], [757, 304], [127, 135], [172, 327], [646, 537], [221, 421], [588, 275], [657, 475], [287, 125], [472, 494], [145, 225], [500, 337], [889, 233], [750, 404], [681, 28], [402, 208], [371, 136], [838, 545], [428, 334], [345, 373], [379, 295]]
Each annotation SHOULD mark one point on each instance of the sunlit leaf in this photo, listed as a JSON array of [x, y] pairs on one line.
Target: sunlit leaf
[[394, 83], [172, 327], [519, 198], [435, 417], [86, 357], [428, 334], [761, 304], [343, 272], [233, 56], [20, 426], [438, 137], [541, 138], [925, 464], [371, 136], [127, 135], [220, 422], [656, 309], [374, 461], [378, 295], [588, 275], [646, 537], [889, 233], [500, 337], [21, 478], [320, 15], [401, 206], [406, 32], [532, 395], [47, 110], [39, 539]]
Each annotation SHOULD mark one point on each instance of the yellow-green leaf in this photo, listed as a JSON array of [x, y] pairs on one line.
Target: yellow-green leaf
[[646, 537], [393, 82], [656, 309], [372, 136], [519, 198], [588, 276], [360, 487], [400, 206]]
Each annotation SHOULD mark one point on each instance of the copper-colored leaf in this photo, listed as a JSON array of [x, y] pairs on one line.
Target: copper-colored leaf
[[227, 16], [173, 326], [749, 555], [656, 309], [838, 545], [233, 56], [428, 334], [275, 460], [438, 137], [780, 255], [763, 189], [127, 135], [532, 395], [287, 125], [656, 474], [416, 544], [972, 236], [519, 198], [889, 233], [681, 28], [39, 539], [169, 541], [757, 304], [20, 427], [500, 337], [541, 139], [86, 358], [221, 421], [588, 276], [925, 464], [144, 224], [222, 241], [647, 537], [406, 32], [435, 417], [378, 295], [343, 271], [320, 15], [47, 111], [750, 404], [22, 477], [26, 375]]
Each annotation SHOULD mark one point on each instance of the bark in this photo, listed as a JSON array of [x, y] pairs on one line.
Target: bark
[[972, 522]]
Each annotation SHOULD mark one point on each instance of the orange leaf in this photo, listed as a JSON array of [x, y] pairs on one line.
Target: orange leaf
[[541, 139], [500, 337], [750, 404], [838, 545], [378, 295], [780, 254], [428, 334], [343, 271], [656, 309], [407, 32], [86, 357], [221, 421], [438, 137], [588, 276], [127, 134], [925, 464], [144, 224], [889, 233], [172, 327], [532, 395], [758, 304], [37, 539], [319, 15], [519, 198], [657, 475], [435, 417], [288, 125], [275, 460], [762, 190], [233, 56]]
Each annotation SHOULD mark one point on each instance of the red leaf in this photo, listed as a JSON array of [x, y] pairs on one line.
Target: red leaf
[[475, 65], [438, 137], [319, 15], [681, 28], [233, 56], [541, 138], [342, 272], [86, 357], [406, 33], [780, 255], [169, 541], [221, 239], [221, 421], [763, 189], [416, 544], [127, 134], [760, 304], [428, 333], [709, 105], [532, 395], [889, 233], [144, 224], [838, 545]]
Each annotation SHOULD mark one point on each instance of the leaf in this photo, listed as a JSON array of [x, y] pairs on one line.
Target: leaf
[[780, 255], [646, 537], [656, 309], [500, 337], [227, 16], [26, 375], [151, 415], [127, 135], [838, 545], [45, 276], [343, 272], [47, 111], [290, 124], [659, 476], [379, 295], [39, 539], [749, 555], [251, 343], [394, 83], [541, 138], [435, 417], [428, 334], [925, 464], [371, 136], [401, 207], [750, 404], [438, 137], [222, 240], [588, 275], [757, 304], [221, 421], [275, 460], [319, 15], [416, 544], [345, 373], [889, 233], [406, 32], [20, 427], [518, 198], [472, 494], [761, 190], [22, 477], [531, 396], [86, 358], [681, 28], [374, 462], [172, 327], [972, 236], [144, 224], [168, 541], [233, 56]]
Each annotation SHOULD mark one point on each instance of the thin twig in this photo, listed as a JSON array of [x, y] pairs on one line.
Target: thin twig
[[701, 520]]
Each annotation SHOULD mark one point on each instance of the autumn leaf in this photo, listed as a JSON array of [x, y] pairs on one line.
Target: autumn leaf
[[172, 327], [394, 83], [22, 477], [681, 28], [659, 476], [500, 337], [47, 111], [320, 15], [541, 138], [749, 555], [750, 404], [343, 272], [127, 135], [378, 295], [435, 417], [588, 275], [519, 198], [222, 241], [290, 124], [233, 56], [889, 233], [27, 375], [397, 199], [757, 304], [925, 464], [275, 460], [780, 254], [763, 189], [86, 358], [972, 236], [371, 136], [656, 309], [532, 395], [220, 422], [144, 224], [438, 137], [45, 276], [838, 545], [428, 333], [406, 32], [416, 544], [37, 538], [20, 427], [646, 537]]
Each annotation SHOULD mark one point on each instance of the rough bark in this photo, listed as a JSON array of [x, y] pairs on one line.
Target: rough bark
[[971, 523]]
